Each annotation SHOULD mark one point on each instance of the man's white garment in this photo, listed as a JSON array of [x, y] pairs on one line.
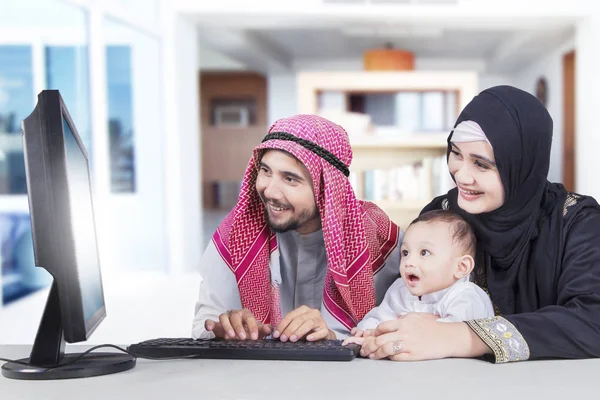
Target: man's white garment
[[298, 268]]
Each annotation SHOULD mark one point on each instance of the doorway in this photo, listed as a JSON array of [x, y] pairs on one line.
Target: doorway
[[569, 121]]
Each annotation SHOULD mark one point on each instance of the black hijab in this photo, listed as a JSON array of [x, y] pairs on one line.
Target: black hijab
[[521, 243]]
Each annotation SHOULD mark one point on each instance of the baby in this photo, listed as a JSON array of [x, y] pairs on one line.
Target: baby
[[437, 257]]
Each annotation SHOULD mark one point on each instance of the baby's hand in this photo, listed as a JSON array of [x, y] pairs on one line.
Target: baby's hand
[[362, 333], [358, 336], [353, 339]]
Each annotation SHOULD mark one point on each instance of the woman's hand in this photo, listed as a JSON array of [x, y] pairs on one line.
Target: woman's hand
[[413, 337]]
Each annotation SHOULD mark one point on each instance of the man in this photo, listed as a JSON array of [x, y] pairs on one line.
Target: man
[[299, 257]]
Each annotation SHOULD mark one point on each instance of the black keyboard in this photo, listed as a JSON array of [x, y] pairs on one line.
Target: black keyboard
[[266, 349]]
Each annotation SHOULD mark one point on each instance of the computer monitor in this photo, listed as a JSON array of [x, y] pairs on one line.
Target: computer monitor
[[64, 239]]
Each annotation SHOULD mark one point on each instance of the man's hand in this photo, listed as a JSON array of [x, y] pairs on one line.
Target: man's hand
[[303, 322], [238, 324]]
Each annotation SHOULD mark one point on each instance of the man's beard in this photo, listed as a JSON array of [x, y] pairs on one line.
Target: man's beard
[[293, 223]]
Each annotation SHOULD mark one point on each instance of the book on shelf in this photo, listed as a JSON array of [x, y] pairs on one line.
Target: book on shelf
[[391, 114], [418, 183], [405, 183]]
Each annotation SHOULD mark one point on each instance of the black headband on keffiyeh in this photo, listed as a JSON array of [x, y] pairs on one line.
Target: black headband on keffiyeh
[[315, 148]]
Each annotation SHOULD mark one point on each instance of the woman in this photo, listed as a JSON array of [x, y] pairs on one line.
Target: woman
[[538, 245]]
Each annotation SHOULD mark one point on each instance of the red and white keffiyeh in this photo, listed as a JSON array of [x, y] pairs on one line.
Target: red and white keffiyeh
[[358, 235]]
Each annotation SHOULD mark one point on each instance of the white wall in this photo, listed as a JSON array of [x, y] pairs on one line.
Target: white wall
[[551, 68], [181, 142], [210, 59], [135, 221], [356, 64], [463, 8], [282, 96], [489, 80], [587, 100]]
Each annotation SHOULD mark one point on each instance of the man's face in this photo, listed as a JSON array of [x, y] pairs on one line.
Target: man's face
[[286, 189]]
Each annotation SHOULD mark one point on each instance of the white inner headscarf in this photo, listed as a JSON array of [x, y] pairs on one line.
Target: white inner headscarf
[[469, 131]]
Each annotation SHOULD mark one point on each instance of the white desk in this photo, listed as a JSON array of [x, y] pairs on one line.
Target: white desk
[[358, 379]]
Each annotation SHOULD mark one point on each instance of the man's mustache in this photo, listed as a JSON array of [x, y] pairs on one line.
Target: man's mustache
[[274, 203]]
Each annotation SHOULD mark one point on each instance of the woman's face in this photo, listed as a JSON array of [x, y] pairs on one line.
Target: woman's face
[[474, 169]]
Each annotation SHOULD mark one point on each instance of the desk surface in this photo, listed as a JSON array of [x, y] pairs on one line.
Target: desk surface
[[285, 380]]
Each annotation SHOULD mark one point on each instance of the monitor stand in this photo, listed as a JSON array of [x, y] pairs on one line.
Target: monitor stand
[[48, 352]]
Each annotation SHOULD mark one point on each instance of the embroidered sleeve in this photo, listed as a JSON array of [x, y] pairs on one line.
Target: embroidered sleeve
[[571, 200], [502, 337]]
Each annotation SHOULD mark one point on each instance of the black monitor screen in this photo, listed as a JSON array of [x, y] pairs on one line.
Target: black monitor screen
[[82, 222], [64, 237]]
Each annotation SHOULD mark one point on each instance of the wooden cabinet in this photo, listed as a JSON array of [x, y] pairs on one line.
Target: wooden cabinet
[[233, 115]]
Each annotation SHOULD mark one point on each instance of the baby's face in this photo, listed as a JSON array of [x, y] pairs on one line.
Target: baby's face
[[429, 257]]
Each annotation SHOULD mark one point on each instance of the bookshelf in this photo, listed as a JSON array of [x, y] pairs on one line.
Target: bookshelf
[[377, 153], [233, 120]]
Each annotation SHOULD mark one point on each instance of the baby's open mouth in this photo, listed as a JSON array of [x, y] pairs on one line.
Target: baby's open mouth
[[412, 278]]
